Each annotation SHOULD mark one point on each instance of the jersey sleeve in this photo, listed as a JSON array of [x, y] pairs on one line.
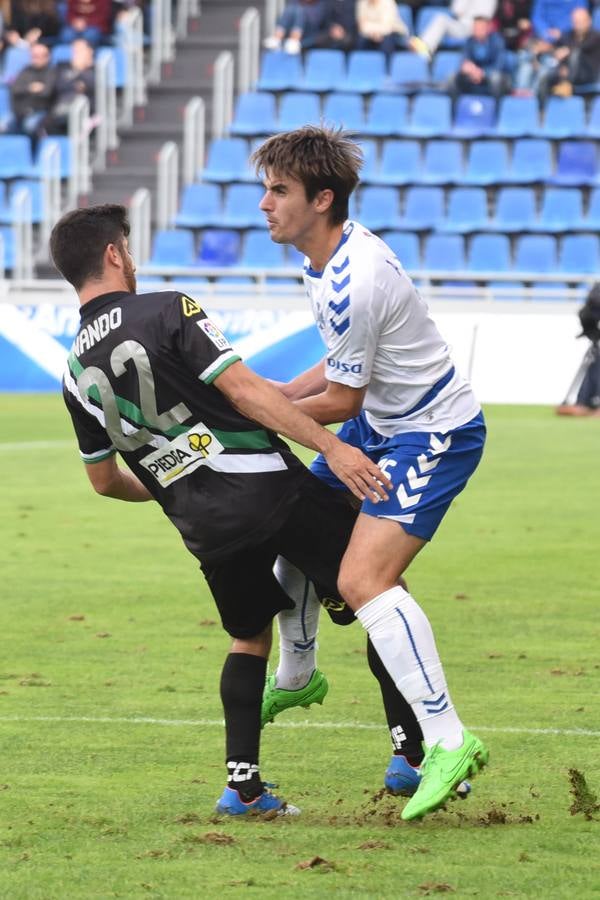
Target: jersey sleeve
[[350, 329], [94, 443], [202, 346]]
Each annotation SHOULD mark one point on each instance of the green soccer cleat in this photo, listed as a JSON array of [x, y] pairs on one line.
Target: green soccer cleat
[[442, 772], [275, 699]]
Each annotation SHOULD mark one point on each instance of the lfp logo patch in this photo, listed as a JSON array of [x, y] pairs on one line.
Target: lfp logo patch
[[213, 334]]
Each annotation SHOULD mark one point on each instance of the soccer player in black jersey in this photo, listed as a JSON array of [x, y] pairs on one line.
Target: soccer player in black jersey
[[152, 378]]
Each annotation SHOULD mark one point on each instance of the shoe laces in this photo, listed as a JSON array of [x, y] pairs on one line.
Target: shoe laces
[[430, 756]]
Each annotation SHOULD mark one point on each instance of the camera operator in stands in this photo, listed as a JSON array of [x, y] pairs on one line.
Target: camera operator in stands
[[587, 402]]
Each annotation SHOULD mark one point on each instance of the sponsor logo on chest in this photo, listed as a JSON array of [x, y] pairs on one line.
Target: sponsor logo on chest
[[183, 455]]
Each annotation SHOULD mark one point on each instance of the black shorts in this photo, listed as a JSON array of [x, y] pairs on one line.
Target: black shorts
[[313, 538]]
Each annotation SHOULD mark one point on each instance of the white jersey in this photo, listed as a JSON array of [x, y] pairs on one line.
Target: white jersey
[[378, 332]]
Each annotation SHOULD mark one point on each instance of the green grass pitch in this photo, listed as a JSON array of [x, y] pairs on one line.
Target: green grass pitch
[[112, 747]]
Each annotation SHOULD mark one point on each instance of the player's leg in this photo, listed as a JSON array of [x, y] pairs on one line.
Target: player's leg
[[297, 681], [249, 622], [385, 539]]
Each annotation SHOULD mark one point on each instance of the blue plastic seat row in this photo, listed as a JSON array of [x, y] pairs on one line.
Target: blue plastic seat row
[[16, 160], [440, 162], [484, 252], [428, 115]]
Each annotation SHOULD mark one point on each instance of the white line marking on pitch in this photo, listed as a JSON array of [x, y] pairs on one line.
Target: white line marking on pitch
[[212, 723], [35, 445]]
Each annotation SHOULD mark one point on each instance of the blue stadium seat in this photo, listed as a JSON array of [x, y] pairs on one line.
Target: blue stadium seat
[[400, 163], [200, 206], [387, 115], [474, 116], [366, 72], [562, 210], [64, 151], [344, 109], [517, 117], [8, 212], [227, 160], [279, 71], [240, 209], [7, 253], [406, 14], [467, 210], [405, 246], [576, 163], [430, 116], [442, 163], [298, 109], [379, 207], [564, 117], [218, 247], [61, 53], [445, 252], [531, 161], [261, 252], [593, 126], [409, 72], [172, 248], [515, 210], [444, 65], [5, 107], [15, 156], [489, 253], [423, 208], [487, 163], [119, 57], [535, 253], [370, 168], [324, 70], [254, 114], [591, 222], [14, 60], [579, 253]]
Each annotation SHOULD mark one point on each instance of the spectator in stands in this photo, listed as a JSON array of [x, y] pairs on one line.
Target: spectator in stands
[[513, 21], [550, 20], [32, 21], [73, 79], [87, 19], [380, 26], [302, 25], [32, 92], [456, 24], [342, 33], [482, 70], [576, 57]]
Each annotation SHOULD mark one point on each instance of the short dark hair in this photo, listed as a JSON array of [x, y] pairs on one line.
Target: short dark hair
[[80, 237], [318, 158]]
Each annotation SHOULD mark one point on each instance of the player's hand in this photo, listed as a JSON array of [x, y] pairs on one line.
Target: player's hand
[[360, 475]]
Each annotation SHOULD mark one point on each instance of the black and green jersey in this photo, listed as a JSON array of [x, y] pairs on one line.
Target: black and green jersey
[[139, 381]]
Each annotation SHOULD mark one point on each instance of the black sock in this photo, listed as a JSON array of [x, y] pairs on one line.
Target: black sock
[[405, 731], [242, 683]]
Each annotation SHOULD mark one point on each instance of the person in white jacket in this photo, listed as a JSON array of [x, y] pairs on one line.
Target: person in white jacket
[[380, 26], [456, 24]]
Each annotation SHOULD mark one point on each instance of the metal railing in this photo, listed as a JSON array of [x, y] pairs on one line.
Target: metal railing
[[167, 185], [51, 199], [186, 9], [194, 139], [79, 140], [134, 88], [248, 50], [273, 10], [162, 38], [23, 234], [140, 216], [106, 109], [222, 112]]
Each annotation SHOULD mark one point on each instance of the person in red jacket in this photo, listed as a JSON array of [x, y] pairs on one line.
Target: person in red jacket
[[87, 19]]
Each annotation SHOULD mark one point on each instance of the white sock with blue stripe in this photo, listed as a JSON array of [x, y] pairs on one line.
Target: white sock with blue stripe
[[401, 634], [297, 628]]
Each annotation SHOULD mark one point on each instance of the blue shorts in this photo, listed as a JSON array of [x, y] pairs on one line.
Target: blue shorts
[[427, 470]]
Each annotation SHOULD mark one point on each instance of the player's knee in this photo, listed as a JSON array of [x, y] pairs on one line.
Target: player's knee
[[350, 588]]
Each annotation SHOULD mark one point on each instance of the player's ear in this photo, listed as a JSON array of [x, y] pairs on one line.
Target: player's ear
[[113, 256], [324, 199]]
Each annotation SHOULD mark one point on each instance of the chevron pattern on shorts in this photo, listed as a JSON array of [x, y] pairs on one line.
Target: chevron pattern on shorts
[[418, 477]]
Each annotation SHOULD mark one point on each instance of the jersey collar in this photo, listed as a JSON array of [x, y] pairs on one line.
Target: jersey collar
[[347, 231], [92, 306]]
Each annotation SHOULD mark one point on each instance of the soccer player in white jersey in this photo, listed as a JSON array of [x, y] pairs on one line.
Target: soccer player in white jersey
[[388, 376]]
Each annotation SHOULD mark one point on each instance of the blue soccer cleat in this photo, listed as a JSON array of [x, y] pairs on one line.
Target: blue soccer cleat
[[402, 779], [231, 804]]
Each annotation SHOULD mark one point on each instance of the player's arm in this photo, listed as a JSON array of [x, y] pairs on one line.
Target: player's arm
[[337, 403], [307, 384], [108, 479], [264, 403]]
